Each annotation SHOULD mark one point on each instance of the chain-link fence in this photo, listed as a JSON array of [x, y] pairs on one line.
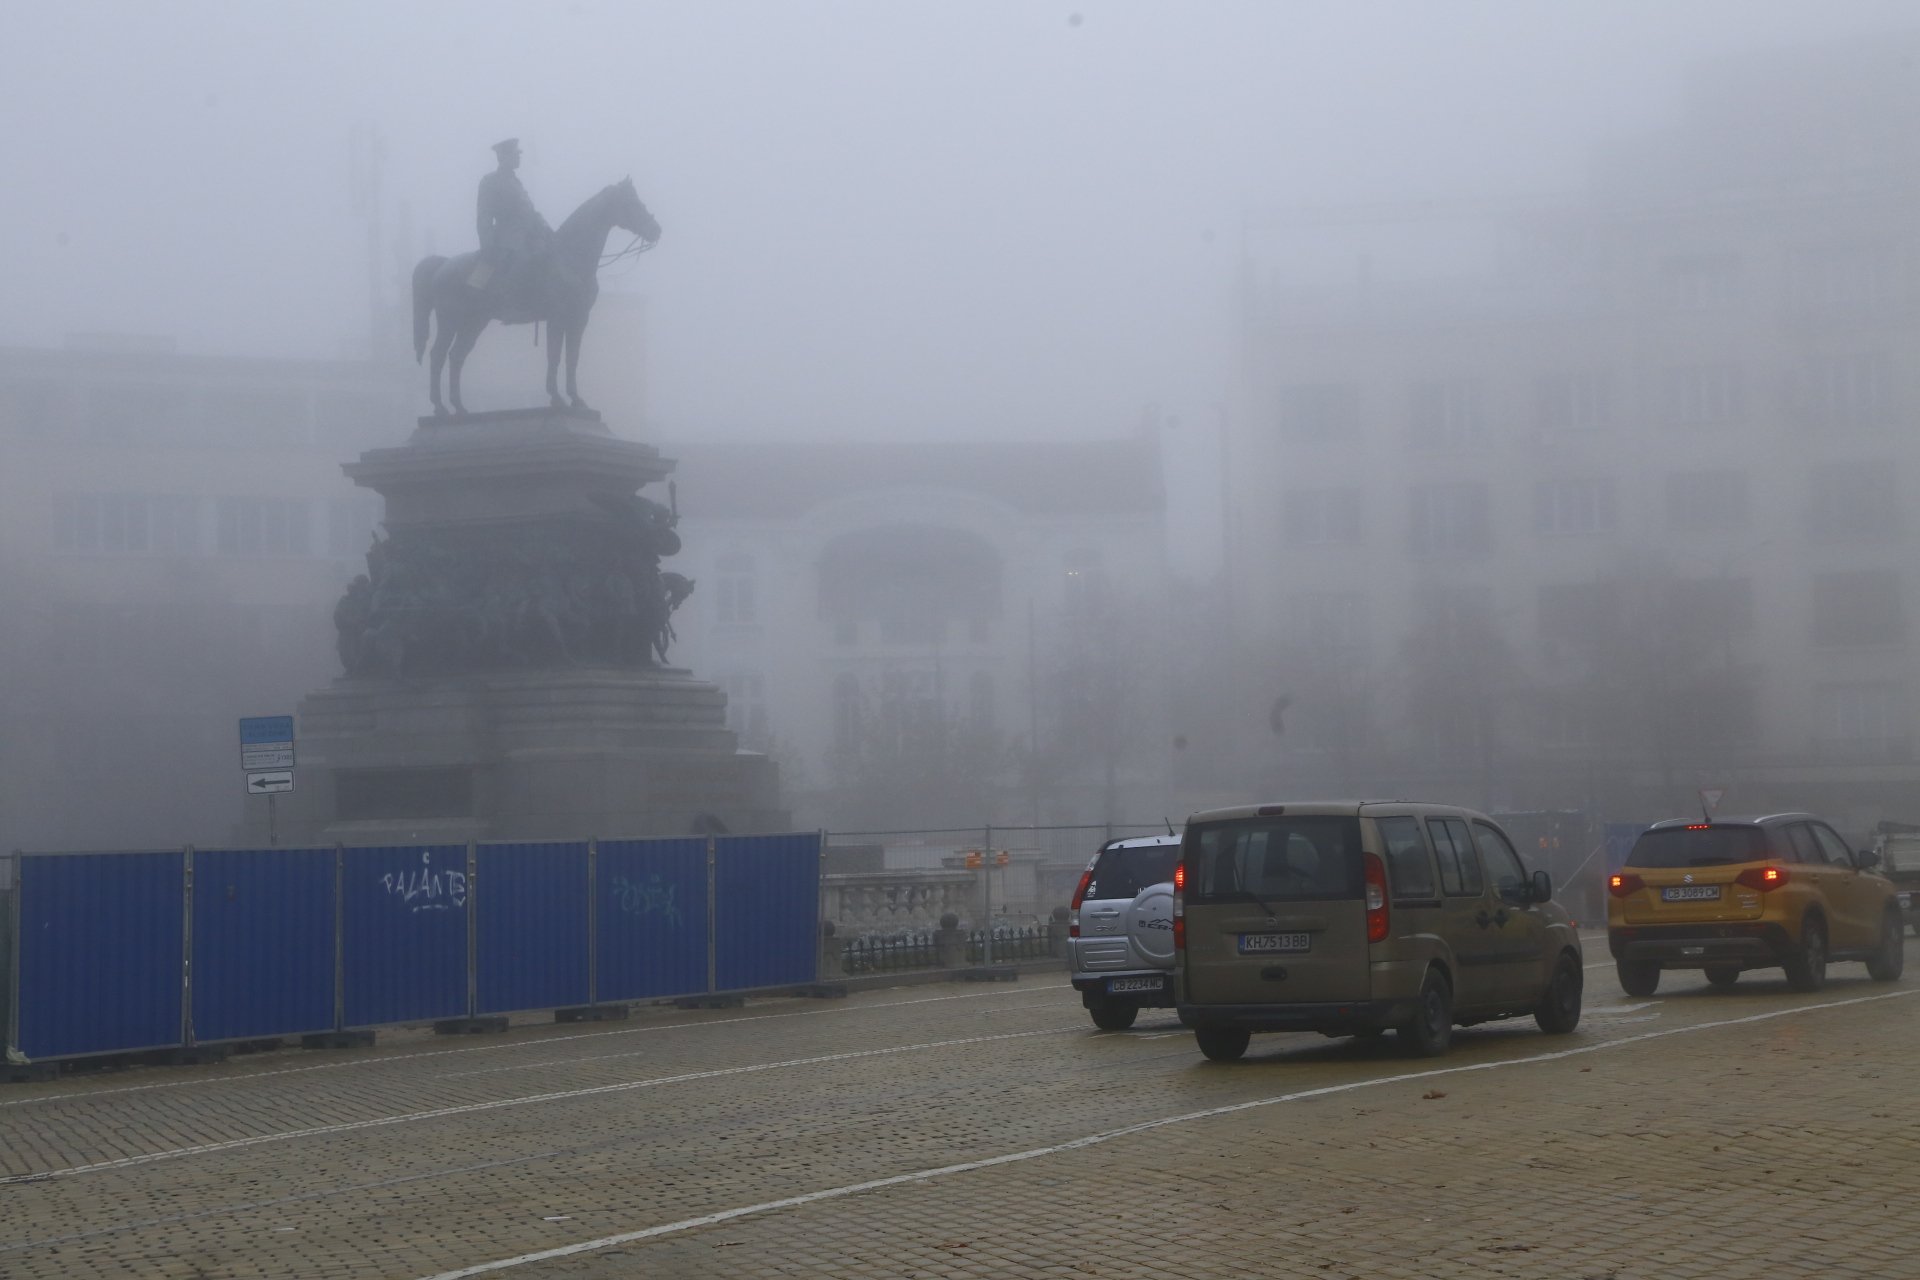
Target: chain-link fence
[[890, 885]]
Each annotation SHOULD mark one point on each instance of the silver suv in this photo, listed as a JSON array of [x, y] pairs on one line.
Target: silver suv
[[1120, 930]]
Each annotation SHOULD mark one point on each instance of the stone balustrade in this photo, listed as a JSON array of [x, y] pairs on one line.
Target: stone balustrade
[[884, 901]]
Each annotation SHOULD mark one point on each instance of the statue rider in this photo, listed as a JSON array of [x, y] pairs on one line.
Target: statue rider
[[514, 238]]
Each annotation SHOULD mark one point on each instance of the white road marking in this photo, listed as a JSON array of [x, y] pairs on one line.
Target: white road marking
[[1604, 1010], [382, 1060], [1110, 1135], [561, 1095]]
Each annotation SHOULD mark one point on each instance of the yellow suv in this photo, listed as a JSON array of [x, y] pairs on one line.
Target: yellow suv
[[1780, 891]]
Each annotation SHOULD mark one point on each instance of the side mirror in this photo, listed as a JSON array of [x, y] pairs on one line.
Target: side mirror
[[1542, 887], [1866, 859]]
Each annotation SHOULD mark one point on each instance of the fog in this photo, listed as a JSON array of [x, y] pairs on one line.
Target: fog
[[968, 221]]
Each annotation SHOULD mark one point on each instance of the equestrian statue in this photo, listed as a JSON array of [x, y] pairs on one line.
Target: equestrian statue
[[524, 272]]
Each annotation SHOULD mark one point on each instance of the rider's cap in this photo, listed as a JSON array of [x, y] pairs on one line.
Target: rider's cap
[[506, 145]]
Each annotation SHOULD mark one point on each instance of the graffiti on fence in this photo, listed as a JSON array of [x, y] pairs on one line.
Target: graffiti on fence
[[427, 889], [652, 896]]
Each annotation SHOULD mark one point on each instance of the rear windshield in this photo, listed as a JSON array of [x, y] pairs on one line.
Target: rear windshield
[[1698, 847], [1123, 873], [1268, 860]]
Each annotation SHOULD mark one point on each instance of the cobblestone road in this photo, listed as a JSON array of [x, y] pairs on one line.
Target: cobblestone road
[[990, 1131]]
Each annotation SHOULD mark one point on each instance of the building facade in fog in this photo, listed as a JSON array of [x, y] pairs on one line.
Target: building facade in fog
[[174, 532], [913, 630], [1623, 509], [936, 633]]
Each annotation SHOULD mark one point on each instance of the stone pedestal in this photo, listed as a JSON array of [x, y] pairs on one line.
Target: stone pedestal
[[503, 683]]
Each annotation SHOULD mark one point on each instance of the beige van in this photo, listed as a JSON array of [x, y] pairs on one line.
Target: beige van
[[1350, 918]]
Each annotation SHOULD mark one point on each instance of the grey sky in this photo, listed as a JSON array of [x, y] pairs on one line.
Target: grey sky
[[955, 219]]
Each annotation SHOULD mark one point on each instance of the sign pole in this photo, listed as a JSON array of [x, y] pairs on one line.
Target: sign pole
[[273, 837]]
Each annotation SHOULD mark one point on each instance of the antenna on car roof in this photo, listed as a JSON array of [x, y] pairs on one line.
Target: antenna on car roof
[[1169, 821]]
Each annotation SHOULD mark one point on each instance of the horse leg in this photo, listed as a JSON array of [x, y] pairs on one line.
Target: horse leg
[[462, 344], [555, 335], [574, 331], [442, 340]]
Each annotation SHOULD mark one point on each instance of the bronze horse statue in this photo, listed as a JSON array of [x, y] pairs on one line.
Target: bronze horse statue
[[562, 292]]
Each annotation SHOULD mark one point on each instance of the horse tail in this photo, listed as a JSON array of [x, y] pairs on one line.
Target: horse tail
[[422, 308]]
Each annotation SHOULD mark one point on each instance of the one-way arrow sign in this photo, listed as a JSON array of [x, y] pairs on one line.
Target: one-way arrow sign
[[266, 783]]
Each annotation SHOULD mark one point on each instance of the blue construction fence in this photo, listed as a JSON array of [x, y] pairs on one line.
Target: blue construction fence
[[124, 952]]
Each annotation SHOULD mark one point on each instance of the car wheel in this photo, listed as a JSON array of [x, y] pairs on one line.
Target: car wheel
[[1807, 967], [1637, 977], [1428, 1033], [1723, 975], [1113, 1015], [1892, 958], [1221, 1044], [1559, 1010]]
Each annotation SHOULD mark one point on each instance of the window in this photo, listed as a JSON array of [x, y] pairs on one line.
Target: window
[[1706, 501], [1805, 848], [1701, 281], [126, 523], [1697, 846], [1450, 519], [1845, 280], [1584, 506], [1319, 409], [1453, 849], [1409, 869], [1281, 859], [1573, 401], [1122, 873], [1835, 849], [1854, 502], [733, 591], [1503, 864], [262, 526], [1702, 395], [1446, 415], [1329, 623], [1863, 720], [1447, 618], [1860, 607], [1849, 392], [1322, 516], [1574, 613]]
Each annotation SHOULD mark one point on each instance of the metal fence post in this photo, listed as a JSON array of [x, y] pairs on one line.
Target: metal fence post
[[986, 869], [713, 950], [593, 921], [12, 1027], [473, 929], [339, 936], [819, 905], [186, 946]]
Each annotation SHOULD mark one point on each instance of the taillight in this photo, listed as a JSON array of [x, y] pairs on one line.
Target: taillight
[[1620, 884], [1375, 872], [1079, 896], [1762, 878], [1180, 906]]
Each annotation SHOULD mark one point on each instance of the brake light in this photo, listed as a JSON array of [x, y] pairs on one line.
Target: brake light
[[1762, 878], [1180, 906], [1079, 896], [1375, 872], [1699, 826], [1620, 884]]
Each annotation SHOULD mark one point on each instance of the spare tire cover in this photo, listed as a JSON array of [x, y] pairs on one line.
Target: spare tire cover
[[1150, 925]]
